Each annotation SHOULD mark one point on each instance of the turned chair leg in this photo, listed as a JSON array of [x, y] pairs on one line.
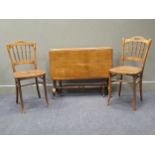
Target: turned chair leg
[[16, 92], [134, 94], [45, 88], [109, 88], [120, 86], [21, 96], [37, 86], [140, 88]]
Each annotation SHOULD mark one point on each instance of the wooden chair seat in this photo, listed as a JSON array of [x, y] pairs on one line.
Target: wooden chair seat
[[125, 70], [28, 74]]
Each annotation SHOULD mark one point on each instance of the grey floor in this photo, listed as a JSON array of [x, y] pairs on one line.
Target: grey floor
[[78, 113]]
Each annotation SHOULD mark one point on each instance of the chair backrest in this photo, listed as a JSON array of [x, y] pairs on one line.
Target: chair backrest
[[21, 53], [135, 49]]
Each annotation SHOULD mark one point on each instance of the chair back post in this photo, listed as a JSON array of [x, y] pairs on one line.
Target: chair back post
[[146, 54], [122, 46], [22, 53], [35, 56], [11, 59], [135, 49]]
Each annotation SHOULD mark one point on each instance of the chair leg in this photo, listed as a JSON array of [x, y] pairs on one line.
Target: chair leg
[[134, 94], [120, 86], [37, 86], [140, 88], [16, 92], [45, 88], [109, 88], [21, 96]]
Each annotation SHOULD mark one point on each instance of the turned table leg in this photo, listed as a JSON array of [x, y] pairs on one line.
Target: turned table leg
[[54, 88]]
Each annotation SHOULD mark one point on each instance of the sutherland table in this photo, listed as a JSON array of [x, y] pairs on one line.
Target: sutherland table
[[80, 64]]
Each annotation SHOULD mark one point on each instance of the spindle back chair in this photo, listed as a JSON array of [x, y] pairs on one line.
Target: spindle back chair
[[134, 50], [24, 53]]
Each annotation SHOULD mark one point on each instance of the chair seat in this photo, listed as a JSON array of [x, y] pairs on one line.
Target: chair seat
[[129, 70], [28, 74]]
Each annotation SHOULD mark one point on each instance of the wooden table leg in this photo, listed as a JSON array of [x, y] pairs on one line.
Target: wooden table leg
[[60, 85], [54, 88], [103, 88], [106, 87]]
